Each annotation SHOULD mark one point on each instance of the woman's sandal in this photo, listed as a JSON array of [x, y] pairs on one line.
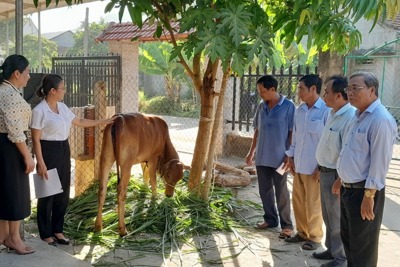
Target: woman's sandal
[[310, 245], [285, 233]]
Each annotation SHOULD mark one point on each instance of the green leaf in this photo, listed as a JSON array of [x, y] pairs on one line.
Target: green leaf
[[136, 15]]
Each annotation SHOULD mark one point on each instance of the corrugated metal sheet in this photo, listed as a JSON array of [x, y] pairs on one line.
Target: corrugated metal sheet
[[129, 31]]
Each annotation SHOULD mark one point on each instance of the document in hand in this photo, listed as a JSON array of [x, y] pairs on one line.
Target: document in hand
[[45, 188], [281, 169]]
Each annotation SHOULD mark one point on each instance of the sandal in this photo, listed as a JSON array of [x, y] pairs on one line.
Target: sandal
[[285, 233], [295, 239], [310, 245]]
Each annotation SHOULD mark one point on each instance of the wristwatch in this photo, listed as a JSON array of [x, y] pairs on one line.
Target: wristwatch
[[369, 194]]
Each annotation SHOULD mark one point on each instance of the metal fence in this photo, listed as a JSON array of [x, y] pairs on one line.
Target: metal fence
[[245, 91], [81, 73]]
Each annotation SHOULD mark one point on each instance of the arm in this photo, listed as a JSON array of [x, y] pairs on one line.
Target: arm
[[250, 155], [90, 123], [29, 162], [37, 149]]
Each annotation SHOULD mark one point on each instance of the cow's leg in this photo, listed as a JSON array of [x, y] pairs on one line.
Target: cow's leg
[[122, 188], [152, 168], [106, 161], [145, 171]]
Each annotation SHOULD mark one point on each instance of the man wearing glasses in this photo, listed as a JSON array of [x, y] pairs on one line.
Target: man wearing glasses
[[362, 165]]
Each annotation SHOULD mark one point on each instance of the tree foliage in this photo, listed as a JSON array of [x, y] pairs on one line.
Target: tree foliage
[[154, 58], [95, 28], [30, 46]]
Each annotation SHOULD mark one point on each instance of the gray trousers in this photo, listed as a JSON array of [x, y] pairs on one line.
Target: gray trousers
[[330, 205], [268, 178]]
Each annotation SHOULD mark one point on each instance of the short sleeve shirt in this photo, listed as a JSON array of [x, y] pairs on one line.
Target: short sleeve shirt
[[15, 113], [54, 127]]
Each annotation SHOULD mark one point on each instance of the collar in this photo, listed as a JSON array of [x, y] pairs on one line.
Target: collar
[[13, 86], [371, 108]]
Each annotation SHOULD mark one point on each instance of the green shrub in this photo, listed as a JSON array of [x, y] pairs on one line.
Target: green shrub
[[160, 105], [142, 99]]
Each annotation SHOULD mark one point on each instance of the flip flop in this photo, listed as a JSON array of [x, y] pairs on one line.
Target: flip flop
[[295, 239], [285, 233]]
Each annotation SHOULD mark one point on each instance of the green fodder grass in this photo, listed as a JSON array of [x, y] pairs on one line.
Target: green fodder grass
[[152, 224]]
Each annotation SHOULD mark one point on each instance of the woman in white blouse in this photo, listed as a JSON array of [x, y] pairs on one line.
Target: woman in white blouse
[[16, 161], [50, 126]]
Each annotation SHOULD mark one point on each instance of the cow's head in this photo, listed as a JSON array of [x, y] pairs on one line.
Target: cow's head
[[173, 172]]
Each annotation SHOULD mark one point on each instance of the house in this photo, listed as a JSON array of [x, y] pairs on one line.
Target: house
[[63, 39]]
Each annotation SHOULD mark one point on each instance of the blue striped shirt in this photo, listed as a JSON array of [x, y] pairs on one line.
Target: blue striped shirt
[[307, 130], [368, 147], [273, 127]]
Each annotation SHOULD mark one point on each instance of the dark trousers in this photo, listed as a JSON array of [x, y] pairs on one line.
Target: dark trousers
[[51, 210], [330, 206], [360, 237], [268, 178]]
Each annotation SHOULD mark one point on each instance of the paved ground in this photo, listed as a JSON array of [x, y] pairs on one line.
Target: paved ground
[[245, 247]]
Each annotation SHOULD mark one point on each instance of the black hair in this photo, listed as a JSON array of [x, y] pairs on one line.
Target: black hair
[[339, 85], [49, 81], [312, 79], [11, 64], [268, 82]]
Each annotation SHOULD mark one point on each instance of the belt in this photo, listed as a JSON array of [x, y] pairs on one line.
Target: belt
[[355, 185], [325, 169]]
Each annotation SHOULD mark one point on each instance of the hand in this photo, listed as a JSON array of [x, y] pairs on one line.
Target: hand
[[289, 165], [367, 209], [336, 186], [249, 159], [42, 170], [29, 164], [107, 121]]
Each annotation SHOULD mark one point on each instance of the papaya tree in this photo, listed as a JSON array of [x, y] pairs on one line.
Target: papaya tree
[[231, 34]]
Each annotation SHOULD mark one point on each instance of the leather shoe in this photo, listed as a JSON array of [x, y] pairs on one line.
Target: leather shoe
[[324, 255]]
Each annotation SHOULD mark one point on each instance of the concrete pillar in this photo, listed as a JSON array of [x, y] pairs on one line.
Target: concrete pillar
[[129, 52]]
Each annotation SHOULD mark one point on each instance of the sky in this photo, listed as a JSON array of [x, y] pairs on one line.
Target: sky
[[71, 18]]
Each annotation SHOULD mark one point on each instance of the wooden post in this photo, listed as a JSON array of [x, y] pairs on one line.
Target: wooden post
[[100, 104]]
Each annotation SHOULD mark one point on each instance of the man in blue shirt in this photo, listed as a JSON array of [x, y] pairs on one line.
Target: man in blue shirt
[[273, 125], [328, 150], [310, 119], [362, 165]]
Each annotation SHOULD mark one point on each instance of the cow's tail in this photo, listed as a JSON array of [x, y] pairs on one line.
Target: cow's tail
[[116, 132]]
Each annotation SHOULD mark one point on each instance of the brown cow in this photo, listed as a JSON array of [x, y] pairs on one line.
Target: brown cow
[[136, 138]]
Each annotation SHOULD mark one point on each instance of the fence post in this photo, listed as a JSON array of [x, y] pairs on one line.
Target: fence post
[[100, 105]]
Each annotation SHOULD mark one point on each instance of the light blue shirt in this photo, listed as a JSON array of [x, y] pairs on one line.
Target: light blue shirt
[[367, 147], [274, 126], [330, 144], [308, 126]]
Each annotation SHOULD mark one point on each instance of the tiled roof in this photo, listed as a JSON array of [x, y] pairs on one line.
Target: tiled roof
[[129, 31], [394, 23]]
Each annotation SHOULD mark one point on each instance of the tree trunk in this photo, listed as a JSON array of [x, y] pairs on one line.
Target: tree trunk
[[329, 63], [215, 128], [202, 141]]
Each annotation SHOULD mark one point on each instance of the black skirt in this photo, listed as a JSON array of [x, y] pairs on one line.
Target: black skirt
[[15, 203]]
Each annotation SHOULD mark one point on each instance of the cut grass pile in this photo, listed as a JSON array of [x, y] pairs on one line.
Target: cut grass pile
[[153, 224]]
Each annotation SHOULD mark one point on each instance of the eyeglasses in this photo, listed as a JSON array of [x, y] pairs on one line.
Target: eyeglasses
[[353, 89]]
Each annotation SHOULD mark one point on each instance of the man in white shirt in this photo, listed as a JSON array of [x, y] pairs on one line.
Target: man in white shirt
[[328, 150]]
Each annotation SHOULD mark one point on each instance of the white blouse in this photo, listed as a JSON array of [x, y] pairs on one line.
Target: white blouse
[[55, 127]]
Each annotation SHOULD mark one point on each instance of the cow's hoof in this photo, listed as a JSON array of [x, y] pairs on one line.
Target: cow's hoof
[[98, 228], [122, 232]]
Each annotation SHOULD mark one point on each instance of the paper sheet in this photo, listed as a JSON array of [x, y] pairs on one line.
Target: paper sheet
[[45, 188], [281, 169]]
